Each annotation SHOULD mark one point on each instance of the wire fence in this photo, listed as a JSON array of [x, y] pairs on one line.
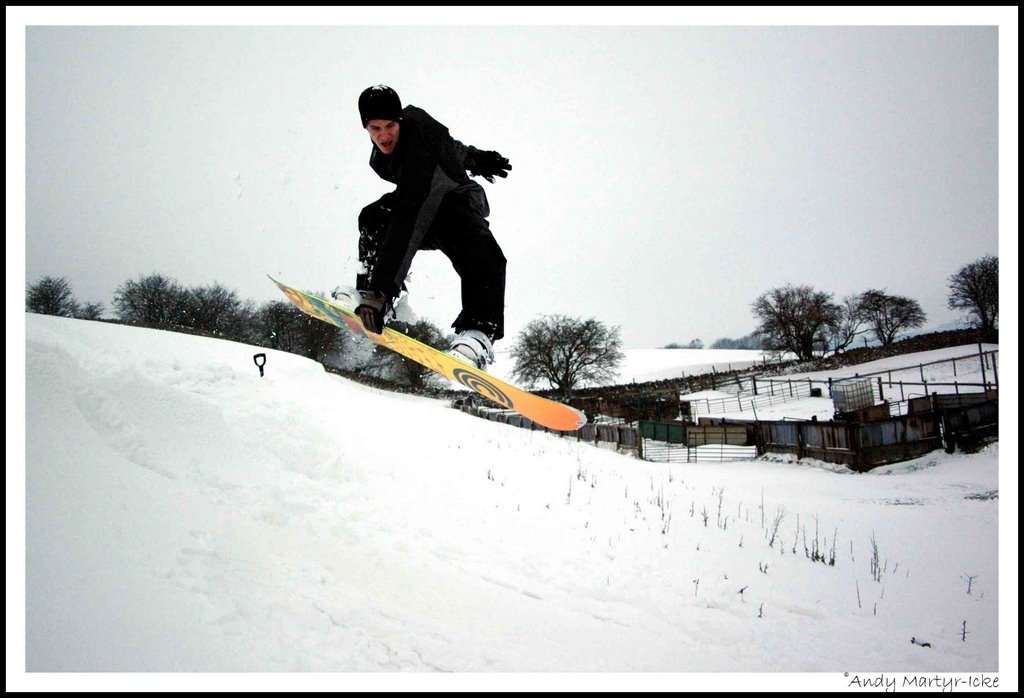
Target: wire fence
[[773, 392], [664, 452], [892, 385]]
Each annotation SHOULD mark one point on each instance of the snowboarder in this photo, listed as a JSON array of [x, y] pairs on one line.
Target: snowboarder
[[435, 206]]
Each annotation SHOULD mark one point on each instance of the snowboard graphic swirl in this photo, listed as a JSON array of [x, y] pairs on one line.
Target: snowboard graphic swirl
[[481, 385]]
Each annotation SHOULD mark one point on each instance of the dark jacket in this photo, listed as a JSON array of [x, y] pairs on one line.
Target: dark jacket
[[426, 165]]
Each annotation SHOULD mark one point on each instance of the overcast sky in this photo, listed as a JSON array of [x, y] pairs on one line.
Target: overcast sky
[[662, 176]]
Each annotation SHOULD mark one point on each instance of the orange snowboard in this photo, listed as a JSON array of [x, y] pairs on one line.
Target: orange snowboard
[[548, 413]]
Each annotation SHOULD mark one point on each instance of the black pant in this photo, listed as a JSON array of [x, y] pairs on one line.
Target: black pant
[[460, 230]]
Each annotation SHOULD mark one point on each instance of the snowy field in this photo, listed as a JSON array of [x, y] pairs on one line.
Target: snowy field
[[905, 367], [183, 514], [640, 365]]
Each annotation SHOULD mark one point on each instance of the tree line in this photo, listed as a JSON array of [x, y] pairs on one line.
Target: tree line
[[808, 322], [562, 352], [159, 302]]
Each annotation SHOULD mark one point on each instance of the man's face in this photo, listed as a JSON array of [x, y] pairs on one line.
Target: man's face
[[384, 134]]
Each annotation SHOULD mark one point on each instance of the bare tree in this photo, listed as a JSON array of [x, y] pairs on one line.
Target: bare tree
[[975, 289], [151, 301], [751, 341], [275, 326], [52, 296], [218, 311], [849, 323], [91, 311], [888, 315], [792, 318], [566, 352]]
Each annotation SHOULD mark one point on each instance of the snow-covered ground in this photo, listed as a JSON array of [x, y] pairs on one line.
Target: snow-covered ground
[[640, 365], [183, 514], [658, 364]]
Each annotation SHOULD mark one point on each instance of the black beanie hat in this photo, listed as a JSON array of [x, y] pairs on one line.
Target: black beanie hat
[[379, 102]]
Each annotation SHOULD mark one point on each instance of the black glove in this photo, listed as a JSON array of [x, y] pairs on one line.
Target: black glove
[[372, 309], [486, 164]]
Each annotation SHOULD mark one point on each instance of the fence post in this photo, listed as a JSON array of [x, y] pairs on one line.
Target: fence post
[[981, 359], [854, 438], [881, 396], [941, 426]]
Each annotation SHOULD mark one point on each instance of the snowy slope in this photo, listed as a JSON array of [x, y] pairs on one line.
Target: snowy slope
[[184, 514]]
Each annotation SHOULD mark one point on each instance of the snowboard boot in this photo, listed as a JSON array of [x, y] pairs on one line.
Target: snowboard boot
[[350, 299], [474, 347], [347, 297]]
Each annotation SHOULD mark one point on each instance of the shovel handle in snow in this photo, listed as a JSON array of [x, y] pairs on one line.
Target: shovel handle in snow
[[259, 360]]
